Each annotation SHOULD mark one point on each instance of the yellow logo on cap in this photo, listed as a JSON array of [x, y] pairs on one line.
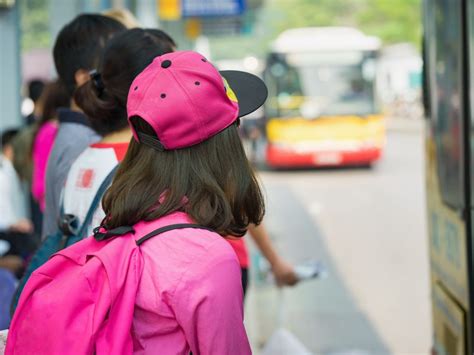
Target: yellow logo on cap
[[230, 93]]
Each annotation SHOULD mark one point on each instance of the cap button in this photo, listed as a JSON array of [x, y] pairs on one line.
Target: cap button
[[166, 63]]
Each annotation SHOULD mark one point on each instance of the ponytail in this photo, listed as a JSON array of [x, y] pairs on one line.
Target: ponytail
[[106, 114], [104, 97]]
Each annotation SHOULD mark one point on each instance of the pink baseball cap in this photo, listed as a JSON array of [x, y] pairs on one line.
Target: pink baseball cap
[[187, 100]]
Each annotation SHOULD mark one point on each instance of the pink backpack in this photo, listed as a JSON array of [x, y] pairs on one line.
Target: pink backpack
[[82, 300]]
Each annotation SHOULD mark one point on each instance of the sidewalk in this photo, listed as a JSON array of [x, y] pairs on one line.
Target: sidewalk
[[316, 312], [397, 124]]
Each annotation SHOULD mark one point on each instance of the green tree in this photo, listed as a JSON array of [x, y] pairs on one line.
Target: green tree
[[391, 20], [34, 24], [308, 13]]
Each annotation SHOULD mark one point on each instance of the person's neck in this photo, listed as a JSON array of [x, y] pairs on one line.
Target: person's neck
[[122, 136], [37, 111]]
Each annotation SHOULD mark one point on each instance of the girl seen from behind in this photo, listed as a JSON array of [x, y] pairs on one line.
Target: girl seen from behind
[[186, 164], [192, 274]]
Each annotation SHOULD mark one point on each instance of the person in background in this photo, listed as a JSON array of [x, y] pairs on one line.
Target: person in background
[[13, 218], [124, 16], [76, 52], [13, 212], [16, 239], [103, 100], [53, 97], [22, 144], [283, 271], [35, 88], [130, 21]]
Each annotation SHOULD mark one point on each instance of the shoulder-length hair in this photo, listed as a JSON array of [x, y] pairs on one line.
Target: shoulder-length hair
[[212, 182]]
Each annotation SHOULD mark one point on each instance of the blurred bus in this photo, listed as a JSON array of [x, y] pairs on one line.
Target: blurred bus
[[449, 106], [322, 108]]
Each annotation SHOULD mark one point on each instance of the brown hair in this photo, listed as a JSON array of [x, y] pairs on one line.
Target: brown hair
[[211, 181]]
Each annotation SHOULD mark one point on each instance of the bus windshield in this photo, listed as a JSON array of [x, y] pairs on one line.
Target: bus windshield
[[321, 84]]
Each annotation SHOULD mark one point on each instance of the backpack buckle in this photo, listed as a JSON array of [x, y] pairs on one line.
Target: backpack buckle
[[100, 233], [69, 225]]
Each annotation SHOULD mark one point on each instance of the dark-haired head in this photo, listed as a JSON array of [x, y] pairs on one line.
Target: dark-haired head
[[35, 88], [164, 37], [54, 96], [211, 181], [6, 142], [104, 98], [79, 46], [7, 136]]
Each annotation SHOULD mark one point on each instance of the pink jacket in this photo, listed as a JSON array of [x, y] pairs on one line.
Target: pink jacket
[[42, 146], [179, 291], [190, 297]]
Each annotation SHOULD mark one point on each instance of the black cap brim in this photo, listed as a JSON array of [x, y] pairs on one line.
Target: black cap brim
[[250, 90]]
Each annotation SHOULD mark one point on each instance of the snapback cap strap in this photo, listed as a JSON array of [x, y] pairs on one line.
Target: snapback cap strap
[[150, 141]]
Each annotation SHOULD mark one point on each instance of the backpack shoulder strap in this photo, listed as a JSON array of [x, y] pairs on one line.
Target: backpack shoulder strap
[[102, 234], [168, 228], [61, 204], [95, 202]]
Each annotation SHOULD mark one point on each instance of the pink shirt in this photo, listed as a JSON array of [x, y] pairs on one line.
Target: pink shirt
[[240, 249], [42, 146], [190, 297]]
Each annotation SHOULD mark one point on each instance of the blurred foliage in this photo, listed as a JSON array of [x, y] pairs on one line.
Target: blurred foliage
[[306, 13], [34, 24], [391, 20]]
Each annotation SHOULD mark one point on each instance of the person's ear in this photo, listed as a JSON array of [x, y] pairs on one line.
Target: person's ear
[[81, 77]]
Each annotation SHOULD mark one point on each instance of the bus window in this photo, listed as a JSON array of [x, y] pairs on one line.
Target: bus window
[[321, 84], [447, 108], [284, 87]]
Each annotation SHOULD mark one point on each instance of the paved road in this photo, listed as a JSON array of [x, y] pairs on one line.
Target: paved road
[[368, 226]]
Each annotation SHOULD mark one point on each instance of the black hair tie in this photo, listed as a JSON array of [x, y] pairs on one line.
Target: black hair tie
[[96, 78]]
